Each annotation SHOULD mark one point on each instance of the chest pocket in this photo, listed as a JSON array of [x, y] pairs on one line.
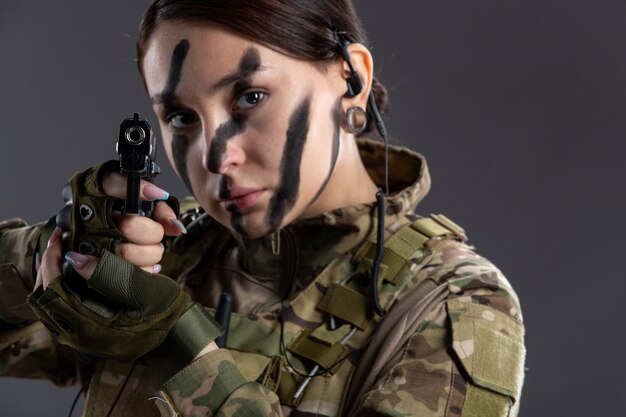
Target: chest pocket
[[255, 346], [489, 346]]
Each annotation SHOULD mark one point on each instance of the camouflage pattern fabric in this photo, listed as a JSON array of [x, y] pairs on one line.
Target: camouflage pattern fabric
[[452, 345]]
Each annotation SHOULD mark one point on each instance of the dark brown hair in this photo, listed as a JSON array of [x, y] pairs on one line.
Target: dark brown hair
[[302, 29]]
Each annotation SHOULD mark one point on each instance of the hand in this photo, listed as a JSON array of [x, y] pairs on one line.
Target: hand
[[138, 312], [91, 220], [143, 235]]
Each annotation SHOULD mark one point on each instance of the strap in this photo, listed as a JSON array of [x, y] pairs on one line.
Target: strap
[[195, 329], [347, 304], [327, 356], [401, 250], [406, 244]]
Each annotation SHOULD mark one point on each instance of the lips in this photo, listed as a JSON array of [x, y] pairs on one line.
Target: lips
[[240, 198]]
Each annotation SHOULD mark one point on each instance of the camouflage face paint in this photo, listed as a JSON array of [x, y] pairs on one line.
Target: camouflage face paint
[[168, 96], [180, 143], [249, 63], [286, 193], [223, 133], [237, 220], [335, 115]]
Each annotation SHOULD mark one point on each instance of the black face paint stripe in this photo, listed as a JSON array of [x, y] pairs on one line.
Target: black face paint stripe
[[286, 193], [334, 152], [248, 64], [223, 133], [180, 143], [168, 96], [237, 220], [224, 188]]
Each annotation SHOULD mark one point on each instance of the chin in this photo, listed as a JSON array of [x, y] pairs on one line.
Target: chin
[[250, 225]]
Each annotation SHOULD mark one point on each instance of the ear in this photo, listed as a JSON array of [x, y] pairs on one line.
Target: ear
[[363, 64]]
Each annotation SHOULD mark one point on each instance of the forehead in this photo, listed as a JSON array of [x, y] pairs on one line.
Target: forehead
[[213, 52]]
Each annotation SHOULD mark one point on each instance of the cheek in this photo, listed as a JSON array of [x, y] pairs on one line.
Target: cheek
[[264, 142], [184, 158], [315, 160]]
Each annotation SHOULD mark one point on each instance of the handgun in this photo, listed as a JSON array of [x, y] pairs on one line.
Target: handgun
[[136, 147]]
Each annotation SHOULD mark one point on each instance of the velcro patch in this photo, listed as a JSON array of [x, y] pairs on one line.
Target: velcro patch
[[489, 346]]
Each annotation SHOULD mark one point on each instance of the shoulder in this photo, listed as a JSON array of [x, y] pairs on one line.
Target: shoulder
[[481, 318], [458, 302]]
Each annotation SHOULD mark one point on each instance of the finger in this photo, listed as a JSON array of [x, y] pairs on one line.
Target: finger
[[83, 264], [139, 229], [153, 269], [114, 185], [50, 261], [140, 255], [165, 216]]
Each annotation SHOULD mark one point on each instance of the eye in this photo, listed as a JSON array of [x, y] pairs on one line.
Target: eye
[[250, 99], [181, 119]]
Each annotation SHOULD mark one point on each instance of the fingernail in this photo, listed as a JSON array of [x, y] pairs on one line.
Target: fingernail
[[153, 192], [178, 224], [157, 268], [54, 236], [77, 260], [162, 247]]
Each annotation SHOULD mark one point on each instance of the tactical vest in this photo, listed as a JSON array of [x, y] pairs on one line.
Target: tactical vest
[[309, 364]]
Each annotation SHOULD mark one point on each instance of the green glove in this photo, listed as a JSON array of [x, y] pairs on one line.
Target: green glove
[[87, 220], [128, 314]]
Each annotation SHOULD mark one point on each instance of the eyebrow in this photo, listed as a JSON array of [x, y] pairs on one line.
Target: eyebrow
[[249, 64], [235, 77]]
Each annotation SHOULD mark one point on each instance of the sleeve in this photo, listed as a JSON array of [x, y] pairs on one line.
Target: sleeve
[[466, 359], [213, 385], [27, 349]]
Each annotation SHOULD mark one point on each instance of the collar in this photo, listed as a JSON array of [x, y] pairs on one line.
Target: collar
[[309, 244]]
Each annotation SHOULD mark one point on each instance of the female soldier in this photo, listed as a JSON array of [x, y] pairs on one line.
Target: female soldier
[[344, 301]]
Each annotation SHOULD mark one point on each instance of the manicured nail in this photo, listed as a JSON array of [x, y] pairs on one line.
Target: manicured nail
[[153, 192], [178, 224], [77, 260], [162, 247], [157, 268], [54, 236]]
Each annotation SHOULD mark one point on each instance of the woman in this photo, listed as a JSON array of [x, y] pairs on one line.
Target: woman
[[265, 110]]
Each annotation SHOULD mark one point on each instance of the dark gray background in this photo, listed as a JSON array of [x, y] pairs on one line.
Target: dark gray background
[[519, 106]]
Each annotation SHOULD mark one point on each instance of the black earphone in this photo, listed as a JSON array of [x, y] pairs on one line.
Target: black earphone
[[355, 86]]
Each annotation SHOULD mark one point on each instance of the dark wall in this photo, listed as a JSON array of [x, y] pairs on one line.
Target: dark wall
[[519, 106]]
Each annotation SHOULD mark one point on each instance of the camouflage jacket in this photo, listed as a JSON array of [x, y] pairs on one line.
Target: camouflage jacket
[[451, 343]]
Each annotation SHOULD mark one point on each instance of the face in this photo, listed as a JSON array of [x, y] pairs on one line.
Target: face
[[253, 133]]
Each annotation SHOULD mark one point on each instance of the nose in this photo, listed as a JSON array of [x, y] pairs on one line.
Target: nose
[[224, 150]]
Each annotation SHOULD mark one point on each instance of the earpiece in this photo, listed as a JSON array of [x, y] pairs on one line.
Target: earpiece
[[355, 85]]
